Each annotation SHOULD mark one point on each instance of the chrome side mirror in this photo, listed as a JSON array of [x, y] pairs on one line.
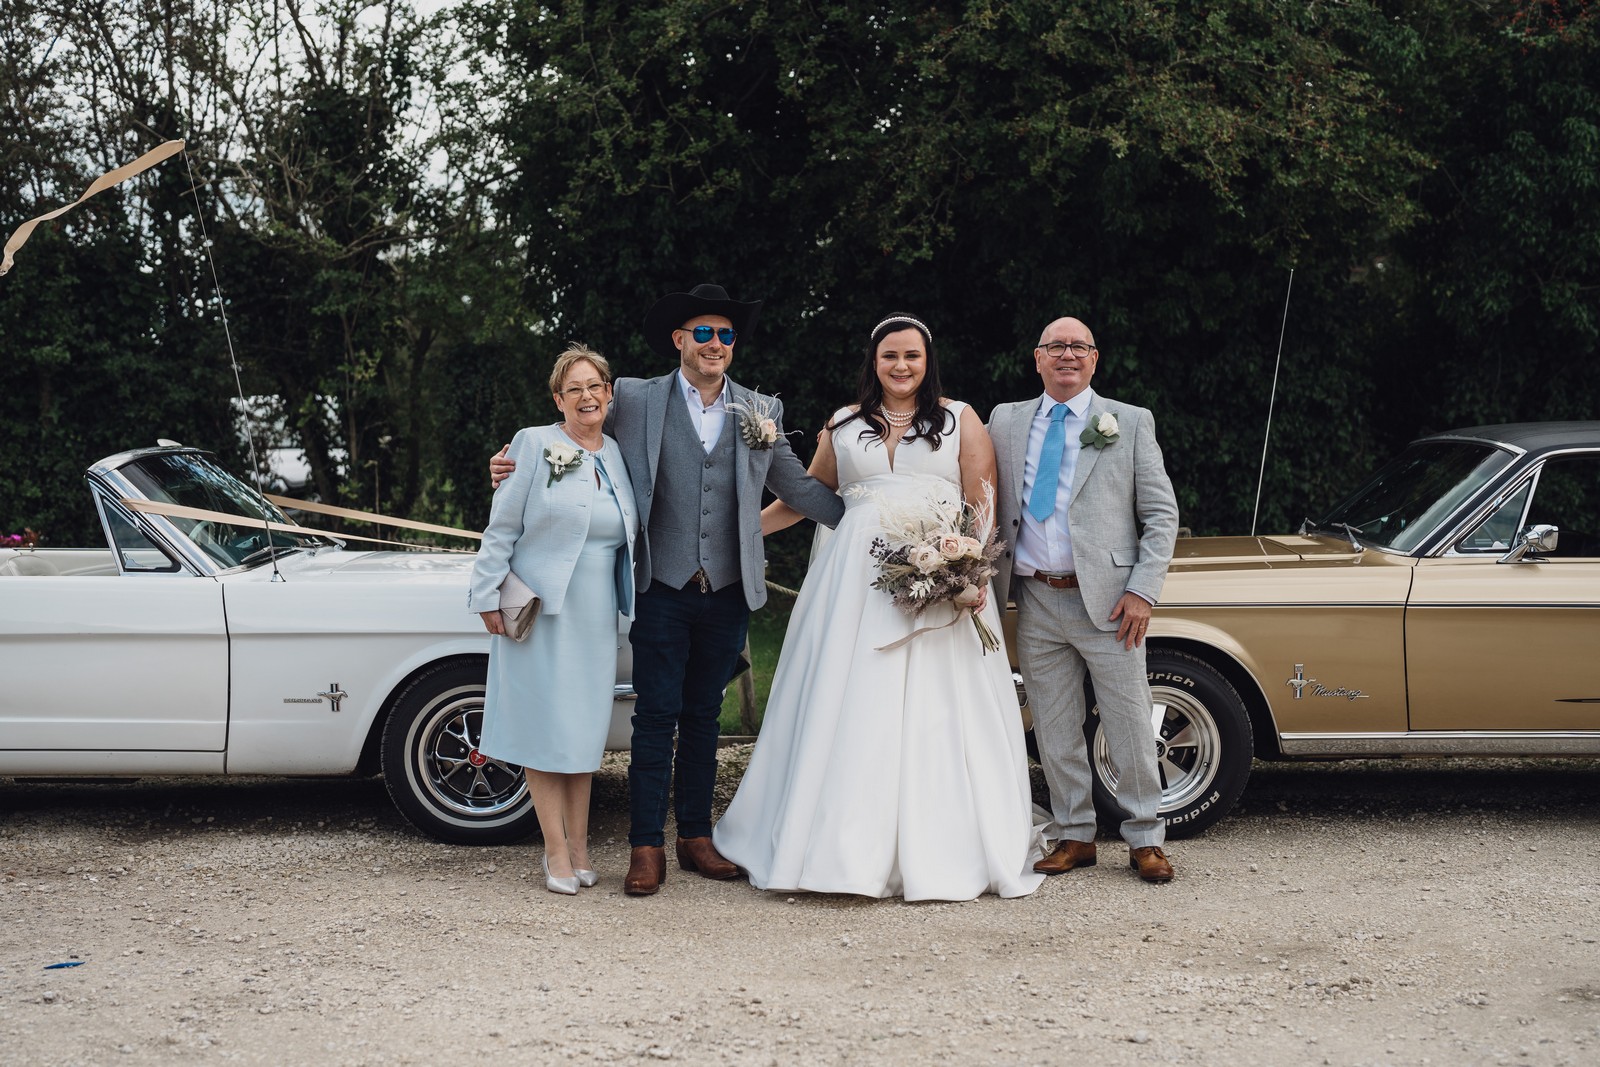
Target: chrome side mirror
[[1533, 545]]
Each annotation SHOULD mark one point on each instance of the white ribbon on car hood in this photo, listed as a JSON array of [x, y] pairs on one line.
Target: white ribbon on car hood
[[179, 511], [369, 516]]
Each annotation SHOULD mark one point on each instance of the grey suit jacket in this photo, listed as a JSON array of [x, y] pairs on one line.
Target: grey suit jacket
[[638, 418], [1114, 490]]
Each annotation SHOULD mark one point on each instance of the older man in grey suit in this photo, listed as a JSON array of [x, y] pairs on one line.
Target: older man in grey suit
[[699, 449], [1079, 476]]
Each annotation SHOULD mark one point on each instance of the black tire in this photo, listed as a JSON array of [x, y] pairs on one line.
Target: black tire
[[432, 767], [1204, 745]]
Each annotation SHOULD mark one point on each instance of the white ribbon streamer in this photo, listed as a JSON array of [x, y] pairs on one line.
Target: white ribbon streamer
[[20, 236]]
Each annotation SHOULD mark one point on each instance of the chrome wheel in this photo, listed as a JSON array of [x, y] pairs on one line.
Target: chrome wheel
[[438, 776], [450, 767], [1188, 745], [1203, 739]]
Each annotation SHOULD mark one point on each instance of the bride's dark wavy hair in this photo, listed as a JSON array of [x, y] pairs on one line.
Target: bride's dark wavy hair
[[931, 419]]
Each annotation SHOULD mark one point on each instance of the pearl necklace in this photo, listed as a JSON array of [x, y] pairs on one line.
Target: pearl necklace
[[898, 419]]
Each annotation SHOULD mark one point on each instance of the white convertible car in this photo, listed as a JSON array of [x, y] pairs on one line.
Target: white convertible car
[[197, 647]]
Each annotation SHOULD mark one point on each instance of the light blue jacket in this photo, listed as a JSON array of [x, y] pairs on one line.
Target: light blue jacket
[[538, 530]]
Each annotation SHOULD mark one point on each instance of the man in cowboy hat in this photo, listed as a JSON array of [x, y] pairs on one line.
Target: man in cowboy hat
[[699, 455]]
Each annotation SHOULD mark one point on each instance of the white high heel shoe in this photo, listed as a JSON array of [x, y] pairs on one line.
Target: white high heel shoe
[[586, 878], [566, 886]]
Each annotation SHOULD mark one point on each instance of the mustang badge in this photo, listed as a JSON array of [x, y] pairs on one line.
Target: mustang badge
[[333, 696], [1300, 683]]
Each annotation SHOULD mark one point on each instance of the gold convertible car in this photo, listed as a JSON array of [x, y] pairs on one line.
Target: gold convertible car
[[1450, 606]]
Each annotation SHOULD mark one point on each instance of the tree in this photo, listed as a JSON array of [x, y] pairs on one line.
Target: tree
[[410, 216], [1496, 292], [1152, 168]]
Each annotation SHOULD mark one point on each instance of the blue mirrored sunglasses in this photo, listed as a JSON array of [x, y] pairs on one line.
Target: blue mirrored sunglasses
[[726, 334]]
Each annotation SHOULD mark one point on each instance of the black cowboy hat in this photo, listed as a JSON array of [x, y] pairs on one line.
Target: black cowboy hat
[[675, 309]]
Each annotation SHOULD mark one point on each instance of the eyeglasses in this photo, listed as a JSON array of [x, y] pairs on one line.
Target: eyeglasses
[[1059, 350], [726, 334], [578, 392]]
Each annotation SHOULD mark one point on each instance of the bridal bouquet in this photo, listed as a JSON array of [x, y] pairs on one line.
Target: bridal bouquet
[[935, 550]]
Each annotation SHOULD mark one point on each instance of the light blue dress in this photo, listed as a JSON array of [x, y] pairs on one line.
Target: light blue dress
[[548, 704]]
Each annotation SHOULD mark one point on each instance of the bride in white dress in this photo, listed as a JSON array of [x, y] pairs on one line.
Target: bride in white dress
[[899, 772]]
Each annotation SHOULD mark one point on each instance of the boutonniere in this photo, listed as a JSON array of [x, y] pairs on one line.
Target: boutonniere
[[1101, 431], [756, 423], [562, 458]]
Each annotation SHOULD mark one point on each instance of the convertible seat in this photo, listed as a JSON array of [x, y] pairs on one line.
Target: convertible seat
[[29, 566]]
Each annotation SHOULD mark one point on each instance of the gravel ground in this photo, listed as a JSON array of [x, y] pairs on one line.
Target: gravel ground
[[1414, 912]]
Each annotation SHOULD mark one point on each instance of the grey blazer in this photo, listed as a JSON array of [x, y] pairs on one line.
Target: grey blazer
[[638, 418], [1115, 490], [538, 530]]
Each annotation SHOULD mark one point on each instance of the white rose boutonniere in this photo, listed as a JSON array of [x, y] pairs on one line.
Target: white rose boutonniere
[[562, 458], [758, 424], [1101, 432]]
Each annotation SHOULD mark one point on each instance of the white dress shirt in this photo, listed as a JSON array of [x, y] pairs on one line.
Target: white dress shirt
[[707, 418], [1047, 546]]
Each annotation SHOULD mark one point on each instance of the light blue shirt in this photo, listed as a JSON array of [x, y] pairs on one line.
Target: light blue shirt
[[707, 419], [1047, 546]]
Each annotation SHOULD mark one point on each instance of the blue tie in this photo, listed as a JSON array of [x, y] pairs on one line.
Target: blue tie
[[1043, 501]]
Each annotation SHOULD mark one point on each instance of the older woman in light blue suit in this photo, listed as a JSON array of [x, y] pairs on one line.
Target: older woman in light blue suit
[[565, 524]]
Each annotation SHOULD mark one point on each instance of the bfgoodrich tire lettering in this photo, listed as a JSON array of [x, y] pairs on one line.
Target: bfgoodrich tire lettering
[[1204, 745], [434, 771]]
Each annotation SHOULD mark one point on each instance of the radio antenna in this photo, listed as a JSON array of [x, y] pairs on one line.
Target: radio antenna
[[233, 360], [1271, 400]]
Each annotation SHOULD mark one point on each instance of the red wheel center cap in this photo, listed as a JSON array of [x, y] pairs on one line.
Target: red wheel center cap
[[476, 758]]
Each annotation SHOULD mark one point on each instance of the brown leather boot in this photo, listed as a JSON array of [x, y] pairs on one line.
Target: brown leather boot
[[1151, 863], [647, 869], [1068, 854], [699, 854]]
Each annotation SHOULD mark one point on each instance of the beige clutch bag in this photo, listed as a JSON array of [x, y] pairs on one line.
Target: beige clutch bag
[[519, 606]]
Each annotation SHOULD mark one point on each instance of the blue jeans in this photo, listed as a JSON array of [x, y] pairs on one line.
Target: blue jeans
[[686, 645]]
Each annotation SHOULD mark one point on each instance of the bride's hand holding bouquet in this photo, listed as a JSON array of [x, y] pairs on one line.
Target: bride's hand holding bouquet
[[933, 551]]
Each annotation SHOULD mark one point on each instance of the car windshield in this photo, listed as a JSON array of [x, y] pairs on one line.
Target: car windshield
[[1409, 497], [194, 481]]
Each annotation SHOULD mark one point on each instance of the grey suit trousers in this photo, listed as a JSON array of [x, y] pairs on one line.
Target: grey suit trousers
[[1057, 643]]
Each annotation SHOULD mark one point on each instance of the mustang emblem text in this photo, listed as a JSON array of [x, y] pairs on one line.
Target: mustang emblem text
[[333, 696], [1300, 683]]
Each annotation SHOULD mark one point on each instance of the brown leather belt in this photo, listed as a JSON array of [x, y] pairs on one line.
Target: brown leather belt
[[1056, 581]]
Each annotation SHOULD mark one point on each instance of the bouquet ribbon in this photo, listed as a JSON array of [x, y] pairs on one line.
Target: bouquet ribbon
[[892, 645]]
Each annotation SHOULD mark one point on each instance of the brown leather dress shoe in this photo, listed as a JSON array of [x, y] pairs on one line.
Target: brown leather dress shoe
[[699, 854], [1068, 854], [647, 869], [1151, 863]]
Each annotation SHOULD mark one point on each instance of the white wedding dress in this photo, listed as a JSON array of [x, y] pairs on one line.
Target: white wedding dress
[[885, 773]]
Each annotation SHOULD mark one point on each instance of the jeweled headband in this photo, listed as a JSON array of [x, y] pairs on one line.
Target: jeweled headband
[[918, 323]]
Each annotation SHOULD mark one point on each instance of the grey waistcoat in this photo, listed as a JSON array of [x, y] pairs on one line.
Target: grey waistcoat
[[694, 522]]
